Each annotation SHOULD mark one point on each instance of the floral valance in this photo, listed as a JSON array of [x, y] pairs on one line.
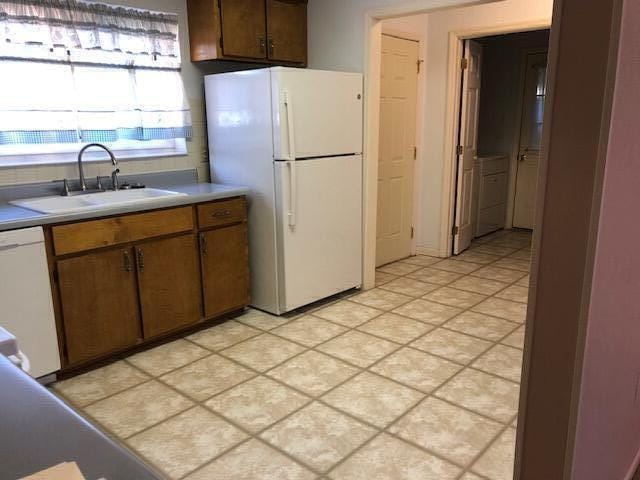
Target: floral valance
[[87, 32]]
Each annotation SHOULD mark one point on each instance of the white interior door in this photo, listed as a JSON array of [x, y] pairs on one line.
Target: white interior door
[[319, 217], [322, 109], [468, 145], [398, 96], [524, 210]]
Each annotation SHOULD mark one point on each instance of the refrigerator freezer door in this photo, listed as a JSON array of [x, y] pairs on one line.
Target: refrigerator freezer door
[[324, 108], [320, 253]]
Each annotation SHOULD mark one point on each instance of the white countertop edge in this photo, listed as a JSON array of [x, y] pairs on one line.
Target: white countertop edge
[[13, 218]]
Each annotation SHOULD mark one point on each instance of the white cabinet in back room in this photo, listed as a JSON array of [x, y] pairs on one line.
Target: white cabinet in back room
[[492, 182]]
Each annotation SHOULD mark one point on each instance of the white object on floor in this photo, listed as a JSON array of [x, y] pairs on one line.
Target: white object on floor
[[294, 136], [25, 296]]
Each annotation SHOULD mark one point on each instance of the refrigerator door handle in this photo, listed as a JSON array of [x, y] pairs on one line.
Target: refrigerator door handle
[[293, 193], [288, 106]]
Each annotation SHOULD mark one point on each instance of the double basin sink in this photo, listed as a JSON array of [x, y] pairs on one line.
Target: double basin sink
[[95, 201]]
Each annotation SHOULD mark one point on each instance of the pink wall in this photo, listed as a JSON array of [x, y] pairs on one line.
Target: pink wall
[[608, 437]]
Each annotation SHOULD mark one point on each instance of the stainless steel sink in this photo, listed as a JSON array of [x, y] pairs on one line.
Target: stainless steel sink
[[95, 201]]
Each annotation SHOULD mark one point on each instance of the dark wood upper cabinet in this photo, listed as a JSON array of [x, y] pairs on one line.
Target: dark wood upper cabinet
[[264, 31], [169, 284], [242, 24], [287, 30], [224, 254], [99, 303]]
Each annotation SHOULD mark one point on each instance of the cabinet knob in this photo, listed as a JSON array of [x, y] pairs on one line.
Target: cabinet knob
[[203, 244], [262, 43], [272, 46]]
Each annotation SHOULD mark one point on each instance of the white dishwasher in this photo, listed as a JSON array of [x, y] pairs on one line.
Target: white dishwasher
[[26, 308]]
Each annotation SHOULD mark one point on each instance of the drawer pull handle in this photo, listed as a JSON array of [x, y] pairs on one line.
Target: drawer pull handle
[[140, 254], [203, 244], [221, 214], [127, 261]]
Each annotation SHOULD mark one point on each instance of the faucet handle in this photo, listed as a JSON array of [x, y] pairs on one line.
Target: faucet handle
[[65, 187], [99, 185]]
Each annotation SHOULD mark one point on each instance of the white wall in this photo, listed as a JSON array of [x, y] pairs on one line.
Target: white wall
[[336, 41], [337, 27], [412, 24], [196, 157]]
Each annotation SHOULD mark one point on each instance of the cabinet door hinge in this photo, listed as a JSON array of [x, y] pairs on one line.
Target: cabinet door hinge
[[55, 275], [418, 63], [460, 150], [415, 152], [412, 232], [464, 64], [455, 230]]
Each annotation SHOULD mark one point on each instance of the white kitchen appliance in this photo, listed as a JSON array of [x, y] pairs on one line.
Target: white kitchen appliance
[[25, 297], [294, 136]]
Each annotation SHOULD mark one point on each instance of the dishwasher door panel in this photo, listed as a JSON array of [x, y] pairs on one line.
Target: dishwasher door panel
[[25, 298]]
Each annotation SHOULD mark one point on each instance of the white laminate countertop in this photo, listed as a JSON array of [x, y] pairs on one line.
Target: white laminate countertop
[[12, 217]]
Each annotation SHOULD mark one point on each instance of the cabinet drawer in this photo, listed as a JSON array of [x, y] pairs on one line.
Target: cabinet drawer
[[224, 212], [491, 165], [491, 219], [493, 190], [77, 237]]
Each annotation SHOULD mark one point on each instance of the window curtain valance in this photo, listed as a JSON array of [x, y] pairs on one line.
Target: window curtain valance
[[83, 32], [78, 72]]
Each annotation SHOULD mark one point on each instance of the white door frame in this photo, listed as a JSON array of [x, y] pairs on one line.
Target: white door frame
[[456, 49], [372, 64], [417, 165]]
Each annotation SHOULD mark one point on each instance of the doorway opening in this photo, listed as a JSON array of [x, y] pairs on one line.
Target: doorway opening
[[475, 303], [502, 94]]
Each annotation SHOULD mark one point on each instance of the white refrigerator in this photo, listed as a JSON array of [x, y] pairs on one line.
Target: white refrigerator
[[294, 136]]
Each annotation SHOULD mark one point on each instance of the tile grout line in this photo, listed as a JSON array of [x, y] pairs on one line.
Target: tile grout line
[[359, 369]]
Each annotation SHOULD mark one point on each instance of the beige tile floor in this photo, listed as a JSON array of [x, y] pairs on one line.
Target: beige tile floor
[[415, 379]]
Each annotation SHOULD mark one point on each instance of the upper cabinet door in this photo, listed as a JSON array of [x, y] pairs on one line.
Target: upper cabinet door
[[243, 28], [287, 30]]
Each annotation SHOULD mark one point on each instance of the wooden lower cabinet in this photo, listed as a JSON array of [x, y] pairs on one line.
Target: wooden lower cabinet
[[99, 300], [169, 284], [224, 254], [159, 272]]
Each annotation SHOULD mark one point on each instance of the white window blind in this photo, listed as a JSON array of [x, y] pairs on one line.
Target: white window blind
[[78, 72]]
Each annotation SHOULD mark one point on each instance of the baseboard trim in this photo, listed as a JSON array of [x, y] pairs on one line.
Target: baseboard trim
[[432, 252]]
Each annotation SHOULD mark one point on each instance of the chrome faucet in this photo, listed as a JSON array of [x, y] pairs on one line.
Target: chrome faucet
[[114, 162]]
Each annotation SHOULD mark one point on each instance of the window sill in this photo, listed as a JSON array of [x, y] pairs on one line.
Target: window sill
[[178, 148]]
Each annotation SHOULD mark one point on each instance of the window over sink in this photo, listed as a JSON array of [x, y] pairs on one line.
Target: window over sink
[[76, 72]]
